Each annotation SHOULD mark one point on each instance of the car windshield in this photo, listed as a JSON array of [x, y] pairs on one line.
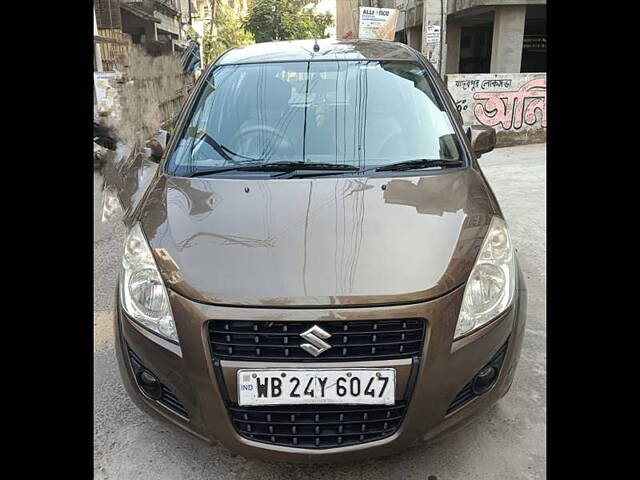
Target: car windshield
[[361, 113]]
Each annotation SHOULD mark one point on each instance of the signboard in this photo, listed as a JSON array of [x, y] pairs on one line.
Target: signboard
[[535, 43], [106, 93], [433, 34], [378, 23]]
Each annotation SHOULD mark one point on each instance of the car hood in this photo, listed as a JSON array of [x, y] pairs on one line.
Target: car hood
[[322, 241]]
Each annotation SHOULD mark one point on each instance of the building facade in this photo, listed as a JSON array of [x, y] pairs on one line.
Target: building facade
[[158, 26], [464, 36], [491, 54]]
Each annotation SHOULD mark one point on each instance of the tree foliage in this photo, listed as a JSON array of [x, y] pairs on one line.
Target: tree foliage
[[228, 31], [271, 20]]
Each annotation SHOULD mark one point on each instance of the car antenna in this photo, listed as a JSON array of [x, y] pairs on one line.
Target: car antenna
[[316, 47]]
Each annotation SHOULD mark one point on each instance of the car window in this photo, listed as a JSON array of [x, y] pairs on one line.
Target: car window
[[364, 113]]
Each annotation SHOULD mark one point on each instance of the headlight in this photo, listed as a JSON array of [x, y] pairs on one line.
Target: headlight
[[491, 285], [144, 296]]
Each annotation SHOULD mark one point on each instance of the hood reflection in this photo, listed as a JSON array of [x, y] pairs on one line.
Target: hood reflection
[[323, 241], [428, 197]]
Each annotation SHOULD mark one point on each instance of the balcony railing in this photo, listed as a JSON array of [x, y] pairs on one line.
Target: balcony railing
[[151, 5]]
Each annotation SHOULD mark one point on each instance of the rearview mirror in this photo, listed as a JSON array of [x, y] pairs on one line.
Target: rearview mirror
[[158, 144], [482, 139]]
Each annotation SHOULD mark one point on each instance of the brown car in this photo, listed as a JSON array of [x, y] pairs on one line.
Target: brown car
[[315, 269]]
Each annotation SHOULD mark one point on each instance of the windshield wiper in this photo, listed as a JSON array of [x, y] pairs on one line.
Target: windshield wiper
[[278, 167], [318, 168], [420, 163], [216, 146], [223, 151], [289, 166]]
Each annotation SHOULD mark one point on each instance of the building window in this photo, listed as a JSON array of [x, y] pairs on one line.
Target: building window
[[534, 43], [475, 48]]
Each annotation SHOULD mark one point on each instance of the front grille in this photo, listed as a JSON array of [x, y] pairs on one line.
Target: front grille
[[317, 426], [280, 341], [466, 394], [168, 399]]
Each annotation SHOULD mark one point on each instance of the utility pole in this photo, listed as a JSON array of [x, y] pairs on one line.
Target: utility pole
[[434, 34], [347, 18], [212, 3]]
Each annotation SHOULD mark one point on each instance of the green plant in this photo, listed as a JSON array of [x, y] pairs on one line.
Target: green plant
[[271, 20], [227, 31]]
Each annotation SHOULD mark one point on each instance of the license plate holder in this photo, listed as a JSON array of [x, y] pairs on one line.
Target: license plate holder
[[316, 386]]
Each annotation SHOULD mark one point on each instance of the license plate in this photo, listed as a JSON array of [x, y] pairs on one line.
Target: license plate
[[353, 386]]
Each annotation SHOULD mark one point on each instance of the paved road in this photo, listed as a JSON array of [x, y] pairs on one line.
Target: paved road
[[506, 442]]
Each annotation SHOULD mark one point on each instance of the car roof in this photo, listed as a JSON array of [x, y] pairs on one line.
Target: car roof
[[302, 50]]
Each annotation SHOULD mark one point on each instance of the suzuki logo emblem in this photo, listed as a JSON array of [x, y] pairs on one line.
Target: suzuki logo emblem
[[316, 345]]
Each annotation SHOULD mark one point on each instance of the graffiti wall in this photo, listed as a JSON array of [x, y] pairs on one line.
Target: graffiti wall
[[515, 104]]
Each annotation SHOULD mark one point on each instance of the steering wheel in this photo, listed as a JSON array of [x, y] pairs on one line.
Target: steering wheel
[[393, 136], [246, 140]]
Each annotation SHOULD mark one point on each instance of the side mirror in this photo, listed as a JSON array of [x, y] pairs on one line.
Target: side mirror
[[483, 139], [158, 144]]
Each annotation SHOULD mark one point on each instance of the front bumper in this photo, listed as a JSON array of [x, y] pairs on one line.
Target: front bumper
[[444, 369]]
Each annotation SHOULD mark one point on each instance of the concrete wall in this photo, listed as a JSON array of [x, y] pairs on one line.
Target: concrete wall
[[434, 34], [508, 34], [454, 31], [414, 15], [461, 5], [414, 37], [167, 23], [515, 104]]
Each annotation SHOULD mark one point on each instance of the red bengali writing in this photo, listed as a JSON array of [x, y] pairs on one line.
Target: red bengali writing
[[511, 108]]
